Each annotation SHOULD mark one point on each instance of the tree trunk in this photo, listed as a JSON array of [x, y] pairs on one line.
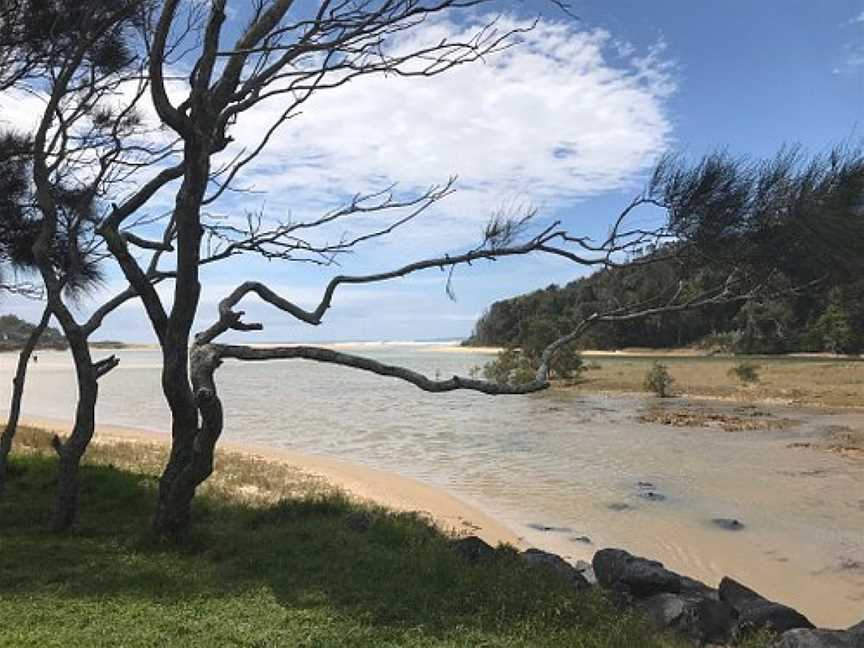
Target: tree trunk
[[17, 394], [192, 455], [72, 450], [182, 474]]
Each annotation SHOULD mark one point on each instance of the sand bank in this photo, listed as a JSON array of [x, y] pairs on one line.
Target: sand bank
[[385, 488]]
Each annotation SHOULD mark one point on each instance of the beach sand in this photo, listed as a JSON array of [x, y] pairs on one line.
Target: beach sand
[[384, 488]]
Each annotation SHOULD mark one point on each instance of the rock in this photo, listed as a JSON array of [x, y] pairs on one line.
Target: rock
[[583, 539], [619, 506], [857, 629], [729, 524], [557, 565], [472, 549], [618, 569], [551, 529], [644, 484], [705, 621], [359, 521], [755, 611], [802, 638], [654, 496], [586, 570]]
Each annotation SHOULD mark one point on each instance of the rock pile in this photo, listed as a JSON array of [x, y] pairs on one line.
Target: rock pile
[[707, 616]]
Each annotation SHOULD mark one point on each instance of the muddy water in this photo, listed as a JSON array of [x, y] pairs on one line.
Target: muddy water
[[562, 469]]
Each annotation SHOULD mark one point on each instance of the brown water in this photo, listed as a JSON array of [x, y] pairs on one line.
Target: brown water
[[560, 460]]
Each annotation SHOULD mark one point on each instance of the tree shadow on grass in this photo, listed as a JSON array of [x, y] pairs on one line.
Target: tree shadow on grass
[[390, 576]]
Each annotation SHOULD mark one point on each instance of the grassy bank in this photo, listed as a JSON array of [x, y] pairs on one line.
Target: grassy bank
[[805, 381], [271, 561]]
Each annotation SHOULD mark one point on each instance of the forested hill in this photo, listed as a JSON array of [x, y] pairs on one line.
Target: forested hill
[[14, 332], [829, 318]]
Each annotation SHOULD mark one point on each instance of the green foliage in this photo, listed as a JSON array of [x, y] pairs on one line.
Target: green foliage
[[746, 372], [510, 367], [835, 327], [288, 574], [516, 367], [659, 381], [793, 219], [15, 331]]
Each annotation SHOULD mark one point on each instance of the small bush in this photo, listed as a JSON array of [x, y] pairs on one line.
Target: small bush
[[746, 372], [659, 381], [516, 367]]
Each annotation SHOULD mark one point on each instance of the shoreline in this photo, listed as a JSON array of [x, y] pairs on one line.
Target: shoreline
[[389, 489]]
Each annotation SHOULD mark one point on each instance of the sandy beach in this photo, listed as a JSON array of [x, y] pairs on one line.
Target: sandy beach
[[381, 487]]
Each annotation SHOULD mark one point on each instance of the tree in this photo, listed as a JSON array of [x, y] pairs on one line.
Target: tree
[[78, 61], [812, 204], [835, 328], [284, 55]]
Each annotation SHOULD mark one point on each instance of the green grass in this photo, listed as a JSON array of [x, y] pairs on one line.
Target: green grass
[[289, 572]]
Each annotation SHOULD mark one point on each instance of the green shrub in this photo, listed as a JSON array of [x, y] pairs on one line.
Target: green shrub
[[659, 381], [517, 367], [746, 372]]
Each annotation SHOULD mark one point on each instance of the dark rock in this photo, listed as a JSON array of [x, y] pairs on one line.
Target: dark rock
[[729, 524], [472, 549], [619, 506], [551, 529], [644, 484], [802, 638], [582, 539], [755, 611], [702, 620], [618, 569], [654, 496], [857, 629], [359, 521], [557, 565]]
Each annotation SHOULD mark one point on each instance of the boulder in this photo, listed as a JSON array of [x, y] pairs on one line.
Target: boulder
[[803, 638], [755, 611], [472, 549], [586, 570], [704, 620], [617, 569], [557, 565]]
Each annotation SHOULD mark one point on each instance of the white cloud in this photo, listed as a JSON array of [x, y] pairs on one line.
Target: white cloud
[[560, 117], [567, 114]]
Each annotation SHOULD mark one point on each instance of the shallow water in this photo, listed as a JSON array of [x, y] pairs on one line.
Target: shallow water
[[562, 460]]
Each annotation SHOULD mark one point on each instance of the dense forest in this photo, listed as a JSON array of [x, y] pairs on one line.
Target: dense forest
[[797, 229], [827, 317], [14, 333]]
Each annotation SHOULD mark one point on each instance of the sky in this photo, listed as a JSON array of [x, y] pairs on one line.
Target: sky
[[568, 122]]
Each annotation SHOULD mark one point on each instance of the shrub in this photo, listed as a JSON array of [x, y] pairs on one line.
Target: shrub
[[510, 367], [746, 372], [659, 381], [516, 367]]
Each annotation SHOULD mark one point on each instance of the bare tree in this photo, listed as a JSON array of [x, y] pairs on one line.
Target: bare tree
[[283, 55], [286, 58], [280, 57]]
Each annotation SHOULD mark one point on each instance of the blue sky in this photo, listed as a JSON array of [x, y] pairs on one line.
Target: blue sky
[[568, 122]]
